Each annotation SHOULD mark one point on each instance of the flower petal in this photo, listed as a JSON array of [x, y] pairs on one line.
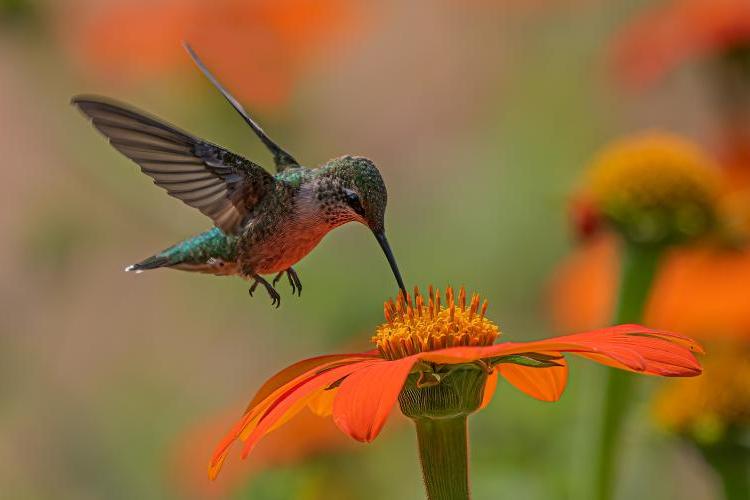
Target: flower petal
[[629, 347], [489, 389], [279, 383], [293, 371], [546, 384], [455, 355], [297, 397], [322, 403], [366, 397], [272, 391]]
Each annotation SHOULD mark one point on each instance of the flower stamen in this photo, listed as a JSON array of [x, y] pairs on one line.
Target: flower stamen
[[408, 330]]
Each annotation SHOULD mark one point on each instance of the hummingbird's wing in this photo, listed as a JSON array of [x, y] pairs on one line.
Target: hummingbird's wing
[[281, 158], [222, 185]]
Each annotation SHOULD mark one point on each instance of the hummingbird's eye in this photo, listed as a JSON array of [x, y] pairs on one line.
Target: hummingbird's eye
[[352, 199]]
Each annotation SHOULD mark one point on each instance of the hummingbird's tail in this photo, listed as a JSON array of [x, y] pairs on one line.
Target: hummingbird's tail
[[153, 262], [209, 252]]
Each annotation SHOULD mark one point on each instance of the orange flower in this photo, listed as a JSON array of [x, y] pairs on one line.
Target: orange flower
[[306, 437], [583, 288], [717, 31], [699, 289], [260, 48], [422, 346], [671, 33], [713, 413], [707, 408], [506, 5]]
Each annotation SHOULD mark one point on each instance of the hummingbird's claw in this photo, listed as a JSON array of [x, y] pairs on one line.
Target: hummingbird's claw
[[294, 281], [275, 297]]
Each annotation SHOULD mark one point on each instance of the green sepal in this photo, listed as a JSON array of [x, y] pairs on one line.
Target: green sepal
[[445, 391], [534, 360]]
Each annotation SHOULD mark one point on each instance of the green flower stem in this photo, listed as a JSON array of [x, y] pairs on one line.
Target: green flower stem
[[734, 479], [639, 266], [438, 401], [443, 453], [731, 461]]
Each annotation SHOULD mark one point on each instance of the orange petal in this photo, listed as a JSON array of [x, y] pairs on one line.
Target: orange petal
[[489, 389], [677, 31], [546, 384], [293, 371], [455, 355], [280, 382], [273, 391], [629, 347], [582, 291], [322, 403], [297, 396], [367, 396]]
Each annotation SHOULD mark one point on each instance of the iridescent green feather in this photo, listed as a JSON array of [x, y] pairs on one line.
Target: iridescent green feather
[[207, 248]]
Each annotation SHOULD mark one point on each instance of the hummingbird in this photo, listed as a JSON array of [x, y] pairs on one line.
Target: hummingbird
[[263, 223]]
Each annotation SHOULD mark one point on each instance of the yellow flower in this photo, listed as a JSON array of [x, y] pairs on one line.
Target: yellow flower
[[654, 188]]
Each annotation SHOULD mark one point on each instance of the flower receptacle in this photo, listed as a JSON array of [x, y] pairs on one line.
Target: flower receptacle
[[447, 392]]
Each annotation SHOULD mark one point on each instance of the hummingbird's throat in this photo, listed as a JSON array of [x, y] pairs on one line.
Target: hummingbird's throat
[[414, 325]]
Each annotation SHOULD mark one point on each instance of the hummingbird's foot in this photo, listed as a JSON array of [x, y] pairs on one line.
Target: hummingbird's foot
[[275, 297], [294, 281]]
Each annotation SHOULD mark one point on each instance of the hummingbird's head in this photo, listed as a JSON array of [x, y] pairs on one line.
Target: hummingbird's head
[[361, 196], [361, 192]]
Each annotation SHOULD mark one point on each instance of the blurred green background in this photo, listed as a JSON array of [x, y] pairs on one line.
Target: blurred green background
[[481, 116]]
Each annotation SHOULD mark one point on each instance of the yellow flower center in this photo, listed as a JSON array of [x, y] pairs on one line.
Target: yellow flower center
[[655, 187], [413, 325]]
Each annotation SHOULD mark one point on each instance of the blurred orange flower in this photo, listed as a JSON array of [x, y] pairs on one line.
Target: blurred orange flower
[[708, 407], [259, 48], [582, 291], [505, 5], [700, 290], [422, 348], [670, 33], [304, 438]]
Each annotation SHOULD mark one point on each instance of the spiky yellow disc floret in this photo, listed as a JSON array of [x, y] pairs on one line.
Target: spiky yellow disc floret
[[655, 187], [413, 325], [706, 407]]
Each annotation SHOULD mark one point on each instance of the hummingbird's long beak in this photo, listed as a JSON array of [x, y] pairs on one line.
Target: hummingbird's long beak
[[391, 260]]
